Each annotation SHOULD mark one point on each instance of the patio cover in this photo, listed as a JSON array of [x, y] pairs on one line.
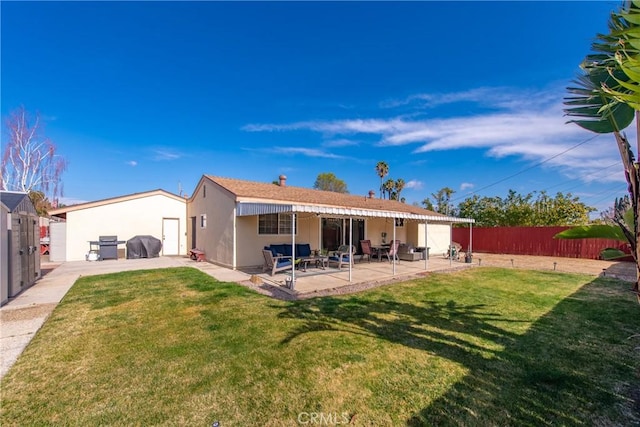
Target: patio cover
[[257, 208]]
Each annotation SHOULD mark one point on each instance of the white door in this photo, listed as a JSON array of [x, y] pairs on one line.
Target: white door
[[170, 236]]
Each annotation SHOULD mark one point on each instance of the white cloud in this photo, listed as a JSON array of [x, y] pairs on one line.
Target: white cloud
[[162, 154], [415, 184], [523, 124], [466, 186], [132, 163], [309, 152], [340, 143]]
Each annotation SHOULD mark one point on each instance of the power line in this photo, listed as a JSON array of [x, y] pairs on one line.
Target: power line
[[529, 168], [585, 176]]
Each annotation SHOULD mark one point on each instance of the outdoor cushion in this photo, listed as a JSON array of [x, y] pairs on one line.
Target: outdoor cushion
[[303, 250], [287, 249], [279, 250], [283, 263]]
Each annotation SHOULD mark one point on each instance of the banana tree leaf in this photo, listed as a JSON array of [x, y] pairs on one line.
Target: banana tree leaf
[[602, 231], [609, 254], [599, 126]]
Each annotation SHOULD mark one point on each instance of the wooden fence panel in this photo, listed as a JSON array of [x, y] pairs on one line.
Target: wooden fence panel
[[532, 241]]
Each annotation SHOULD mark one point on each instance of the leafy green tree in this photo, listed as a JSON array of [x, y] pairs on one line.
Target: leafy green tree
[[382, 169], [329, 182], [40, 202], [524, 210], [442, 199], [606, 99], [563, 209], [428, 204]]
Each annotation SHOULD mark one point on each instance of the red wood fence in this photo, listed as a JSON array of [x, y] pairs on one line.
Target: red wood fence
[[532, 241]]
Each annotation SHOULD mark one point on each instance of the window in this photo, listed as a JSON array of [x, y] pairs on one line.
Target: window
[[275, 224], [204, 191], [203, 221], [399, 222]]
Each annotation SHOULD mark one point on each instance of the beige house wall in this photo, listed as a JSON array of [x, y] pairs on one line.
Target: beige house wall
[[216, 237], [374, 227], [250, 243], [125, 219]]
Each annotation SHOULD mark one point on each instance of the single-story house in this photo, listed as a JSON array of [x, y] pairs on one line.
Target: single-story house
[[232, 220], [19, 244], [157, 213]]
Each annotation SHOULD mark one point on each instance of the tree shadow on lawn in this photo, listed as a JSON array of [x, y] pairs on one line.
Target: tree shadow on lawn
[[574, 365]]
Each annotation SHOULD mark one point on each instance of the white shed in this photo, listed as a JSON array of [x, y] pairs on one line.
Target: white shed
[[156, 213]]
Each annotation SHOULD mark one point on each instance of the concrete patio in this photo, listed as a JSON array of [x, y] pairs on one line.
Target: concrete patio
[[319, 281]]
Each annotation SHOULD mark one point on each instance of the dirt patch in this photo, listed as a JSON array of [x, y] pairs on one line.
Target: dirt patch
[[26, 313], [619, 270]]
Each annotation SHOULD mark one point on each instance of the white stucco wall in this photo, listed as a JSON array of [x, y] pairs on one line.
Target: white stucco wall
[[125, 219], [438, 237]]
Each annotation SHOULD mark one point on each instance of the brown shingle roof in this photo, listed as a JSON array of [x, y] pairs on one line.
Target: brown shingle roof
[[258, 191]]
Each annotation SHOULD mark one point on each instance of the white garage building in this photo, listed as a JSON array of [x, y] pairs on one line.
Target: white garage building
[[157, 213]]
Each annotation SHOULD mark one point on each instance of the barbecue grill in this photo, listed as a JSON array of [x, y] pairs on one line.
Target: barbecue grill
[[108, 246]]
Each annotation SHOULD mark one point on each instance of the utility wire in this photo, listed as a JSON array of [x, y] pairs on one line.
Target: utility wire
[[580, 183], [528, 169], [608, 196], [591, 174]]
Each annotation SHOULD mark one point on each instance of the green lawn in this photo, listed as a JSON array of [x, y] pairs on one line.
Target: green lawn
[[478, 347]]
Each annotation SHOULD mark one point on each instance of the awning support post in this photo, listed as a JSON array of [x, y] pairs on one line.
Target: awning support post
[[450, 244], [393, 245], [426, 253], [293, 251], [351, 255]]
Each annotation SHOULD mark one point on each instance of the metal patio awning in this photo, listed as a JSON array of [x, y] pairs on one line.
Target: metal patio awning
[[256, 208]]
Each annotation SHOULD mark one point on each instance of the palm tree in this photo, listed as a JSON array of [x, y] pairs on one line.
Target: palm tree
[[388, 187], [382, 168], [399, 186], [607, 98]]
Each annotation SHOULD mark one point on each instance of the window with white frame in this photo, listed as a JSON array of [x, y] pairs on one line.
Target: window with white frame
[[275, 224], [203, 221]]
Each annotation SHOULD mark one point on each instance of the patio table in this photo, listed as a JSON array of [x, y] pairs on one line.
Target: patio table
[[320, 261], [380, 249]]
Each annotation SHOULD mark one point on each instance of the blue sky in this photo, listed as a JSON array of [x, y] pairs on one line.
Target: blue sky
[[146, 95]]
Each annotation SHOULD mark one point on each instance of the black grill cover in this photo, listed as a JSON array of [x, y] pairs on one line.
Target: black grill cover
[[143, 247]]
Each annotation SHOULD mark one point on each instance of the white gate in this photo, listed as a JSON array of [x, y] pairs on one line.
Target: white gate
[[170, 236]]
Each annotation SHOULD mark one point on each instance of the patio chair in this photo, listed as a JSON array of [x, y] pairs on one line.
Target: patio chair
[[392, 251], [366, 250], [342, 256], [275, 264]]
